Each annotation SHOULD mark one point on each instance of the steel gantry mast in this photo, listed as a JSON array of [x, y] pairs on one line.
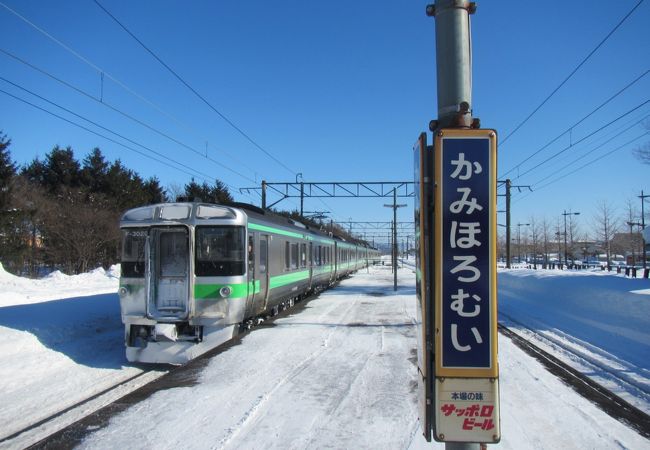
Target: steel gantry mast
[[330, 189]]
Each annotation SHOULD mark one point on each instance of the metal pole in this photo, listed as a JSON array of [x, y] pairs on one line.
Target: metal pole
[[643, 228], [508, 224], [453, 61], [454, 76], [302, 197], [570, 213], [394, 239], [263, 194], [566, 261]]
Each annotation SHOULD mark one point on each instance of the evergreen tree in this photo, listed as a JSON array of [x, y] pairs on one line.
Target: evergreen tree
[[7, 172], [94, 171], [214, 194], [59, 169]]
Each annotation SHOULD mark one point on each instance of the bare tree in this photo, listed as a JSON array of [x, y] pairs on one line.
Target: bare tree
[[573, 230], [606, 225], [535, 235], [174, 191], [546, 239], [642, 152], [634, 242]]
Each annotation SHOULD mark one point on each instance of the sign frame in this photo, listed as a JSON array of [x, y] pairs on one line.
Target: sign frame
[[446, 144], [423, 239]]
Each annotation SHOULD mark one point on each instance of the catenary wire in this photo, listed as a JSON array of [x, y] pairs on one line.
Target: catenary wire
[[582, 139], [595, 160], [195, 92], [100, 126], [108, 75], [593, 150], [203, 176], [584, 60], [578, 122], [99, 70], [124, 114]]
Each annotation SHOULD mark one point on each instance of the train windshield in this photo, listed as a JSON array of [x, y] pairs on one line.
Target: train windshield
[[220, 251], [133, 246]]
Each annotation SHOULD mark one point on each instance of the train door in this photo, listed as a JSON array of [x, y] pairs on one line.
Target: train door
[[310, 262], [263, 268], [336, 260], [169, 263]]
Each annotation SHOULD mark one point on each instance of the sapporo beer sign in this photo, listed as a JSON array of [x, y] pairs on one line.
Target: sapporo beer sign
[[466, 367]]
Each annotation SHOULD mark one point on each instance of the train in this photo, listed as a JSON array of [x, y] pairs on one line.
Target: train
[[193, 274]]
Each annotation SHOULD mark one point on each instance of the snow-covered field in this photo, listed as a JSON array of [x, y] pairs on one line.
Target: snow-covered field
[[338, 373]]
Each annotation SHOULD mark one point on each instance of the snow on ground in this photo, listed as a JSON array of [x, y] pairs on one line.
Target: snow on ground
[[596, 321], [61, 340], [338, 373]]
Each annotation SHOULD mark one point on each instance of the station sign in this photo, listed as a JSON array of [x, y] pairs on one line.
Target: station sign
[[464, 286]]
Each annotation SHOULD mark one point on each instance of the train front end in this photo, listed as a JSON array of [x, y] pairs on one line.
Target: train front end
[[183, 286]]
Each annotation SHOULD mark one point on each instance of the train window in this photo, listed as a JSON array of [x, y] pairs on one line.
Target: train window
[[211, 212], [287, 255], [303, 255], [134, 241], [174, 212], [294, 256], [173, 253], [220, 251]]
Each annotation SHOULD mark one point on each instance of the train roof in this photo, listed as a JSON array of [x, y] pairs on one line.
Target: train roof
[[183, 211]]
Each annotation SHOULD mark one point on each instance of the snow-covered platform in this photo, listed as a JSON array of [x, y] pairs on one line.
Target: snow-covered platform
[[339, 372]]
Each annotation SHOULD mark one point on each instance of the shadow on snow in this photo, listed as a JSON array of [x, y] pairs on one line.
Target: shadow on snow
[[88, 330]]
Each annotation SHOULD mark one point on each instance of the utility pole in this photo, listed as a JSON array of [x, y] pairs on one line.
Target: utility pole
[[519, 225], [566, 261], [263, 194], [508, 196], [394, 246], [643, 197], [508, 224]]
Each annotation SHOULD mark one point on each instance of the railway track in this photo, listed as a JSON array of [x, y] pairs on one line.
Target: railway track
[[70, 433], [609, 402], [600, 363], [70, 414]]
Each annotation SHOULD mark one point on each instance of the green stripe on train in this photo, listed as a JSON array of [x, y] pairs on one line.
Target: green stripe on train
[[210, 291], [289, 278], [267, 229]]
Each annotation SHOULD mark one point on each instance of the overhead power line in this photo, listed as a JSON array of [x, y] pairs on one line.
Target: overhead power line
[[203, 176], [584, 60], [594, 160], [584, 138], [565, 166], [578, 122], [187, 85], [102, 72], [124, 114]]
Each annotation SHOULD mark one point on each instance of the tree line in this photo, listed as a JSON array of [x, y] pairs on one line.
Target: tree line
[[59, 212], [614, 235], [62, 213]]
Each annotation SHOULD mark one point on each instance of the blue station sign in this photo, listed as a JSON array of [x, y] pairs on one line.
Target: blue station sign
[[465, 253]]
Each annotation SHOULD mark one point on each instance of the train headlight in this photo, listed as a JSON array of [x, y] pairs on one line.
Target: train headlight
[[123, 291], [225, 291]]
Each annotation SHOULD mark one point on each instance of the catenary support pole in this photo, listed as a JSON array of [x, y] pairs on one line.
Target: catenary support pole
[[508, 223], [645, 256], [263, 194], [394, 237]]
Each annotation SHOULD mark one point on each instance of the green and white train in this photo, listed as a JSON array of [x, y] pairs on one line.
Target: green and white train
[[194, 273]]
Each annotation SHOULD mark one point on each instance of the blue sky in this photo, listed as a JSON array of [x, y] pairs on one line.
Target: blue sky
[[336, 91]]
